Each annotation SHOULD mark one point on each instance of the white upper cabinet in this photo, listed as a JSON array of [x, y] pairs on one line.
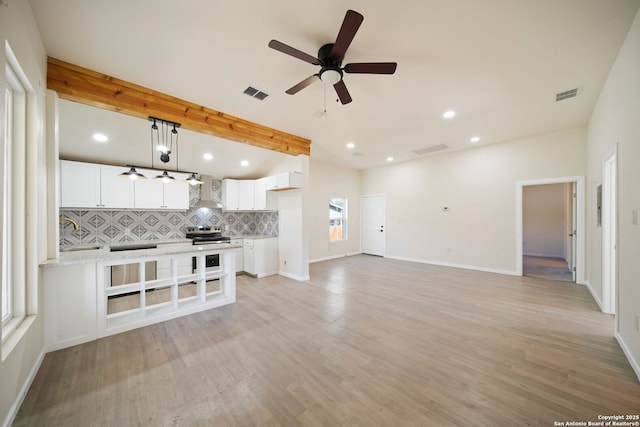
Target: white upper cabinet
[[257, 195], [176, 194], [284, 181], [246, 195], [264, 200], [154, 194], [230, 194], [115, 191], [89, 185]]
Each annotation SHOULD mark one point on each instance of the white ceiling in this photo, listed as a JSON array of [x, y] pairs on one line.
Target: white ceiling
[[498, 63]]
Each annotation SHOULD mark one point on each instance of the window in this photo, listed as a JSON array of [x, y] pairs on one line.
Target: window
[[337, 219], [13, 203]]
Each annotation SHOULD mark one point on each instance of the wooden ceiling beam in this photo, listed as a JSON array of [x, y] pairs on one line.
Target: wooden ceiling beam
[[89, 87]]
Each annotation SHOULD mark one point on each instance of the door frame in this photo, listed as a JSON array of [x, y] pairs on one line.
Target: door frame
[[580, 226], [610, 233], [384, 198]]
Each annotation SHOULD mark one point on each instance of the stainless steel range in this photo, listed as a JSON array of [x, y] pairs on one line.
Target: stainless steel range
[[205, 235]]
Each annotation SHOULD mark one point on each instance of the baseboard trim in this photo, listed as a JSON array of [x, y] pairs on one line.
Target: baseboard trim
[[294, 277], [635, 365], [13, 411], [453, 265], [594, 296], [311, 261]]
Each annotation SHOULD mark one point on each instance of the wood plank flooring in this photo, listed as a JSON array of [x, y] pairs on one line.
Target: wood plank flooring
[[366, 342]]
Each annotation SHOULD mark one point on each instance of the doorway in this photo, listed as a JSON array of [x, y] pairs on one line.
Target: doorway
[[573, 246], [609, 233], [373, 224], [548, 231]]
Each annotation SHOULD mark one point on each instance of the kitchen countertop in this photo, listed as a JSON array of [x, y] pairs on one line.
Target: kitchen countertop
[[104, 253], [255, 236]]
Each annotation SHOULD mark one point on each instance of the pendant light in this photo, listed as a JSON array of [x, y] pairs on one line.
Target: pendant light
[[165, 177], [193, 180], [132, 174]]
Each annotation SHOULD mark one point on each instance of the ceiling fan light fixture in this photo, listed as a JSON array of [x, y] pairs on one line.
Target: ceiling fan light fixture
[[331, 76]]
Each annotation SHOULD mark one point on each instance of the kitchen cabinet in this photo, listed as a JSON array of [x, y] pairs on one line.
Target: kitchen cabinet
[[115, 191], [260, 256], [238, 194], [264, 200], [154, 194], [90, 185], [239, 254], [284, 181], [230, 194], [247, 195]]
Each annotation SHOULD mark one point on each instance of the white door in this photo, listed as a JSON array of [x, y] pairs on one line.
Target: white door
[[373, 224], [573, 227]]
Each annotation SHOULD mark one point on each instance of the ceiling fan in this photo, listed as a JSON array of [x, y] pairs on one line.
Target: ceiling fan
[[330, 58]]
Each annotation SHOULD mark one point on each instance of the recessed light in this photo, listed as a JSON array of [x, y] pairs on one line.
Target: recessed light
[[475, 139], [100, 137], [389, 159], [207, 156], [449, 114], [244, 163], [350, 145]]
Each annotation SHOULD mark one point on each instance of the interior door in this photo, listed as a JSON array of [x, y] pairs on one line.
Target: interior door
[[373, 224], [574, 229]]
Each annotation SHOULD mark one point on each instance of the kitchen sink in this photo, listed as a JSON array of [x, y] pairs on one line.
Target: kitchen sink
[[133, 247], [81, 248]]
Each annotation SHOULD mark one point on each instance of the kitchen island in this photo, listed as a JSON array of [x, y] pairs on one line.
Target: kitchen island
[[84, 302]]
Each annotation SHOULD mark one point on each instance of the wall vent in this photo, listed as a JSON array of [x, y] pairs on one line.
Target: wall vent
[[566, 94], [431, 149], [255, 93]]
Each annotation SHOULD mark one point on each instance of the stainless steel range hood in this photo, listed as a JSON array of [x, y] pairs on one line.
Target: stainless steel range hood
[[207, 199]]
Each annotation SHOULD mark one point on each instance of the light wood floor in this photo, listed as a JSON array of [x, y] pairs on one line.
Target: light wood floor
[[367, 341], [546, 268]]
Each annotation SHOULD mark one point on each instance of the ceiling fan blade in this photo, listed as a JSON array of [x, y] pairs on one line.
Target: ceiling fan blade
[[343, 93], [281, 47], [306, 82], [350, 25], [371, 68]]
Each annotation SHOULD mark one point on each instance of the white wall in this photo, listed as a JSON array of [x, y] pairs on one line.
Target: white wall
[[293, 234], [18, 28], [479, 188], [544, 216], [616, 121], [328, 180]]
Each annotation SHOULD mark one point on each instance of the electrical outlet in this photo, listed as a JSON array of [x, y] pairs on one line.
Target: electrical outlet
[[285, 262]]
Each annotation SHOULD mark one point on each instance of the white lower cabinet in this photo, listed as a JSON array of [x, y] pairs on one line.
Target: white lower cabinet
[[239, 253], [261, 256]]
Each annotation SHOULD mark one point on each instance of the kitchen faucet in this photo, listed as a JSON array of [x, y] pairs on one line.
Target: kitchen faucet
[[64, 218]]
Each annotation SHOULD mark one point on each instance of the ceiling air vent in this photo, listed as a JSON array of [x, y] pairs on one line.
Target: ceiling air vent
[[255, 93], [566, 94], [431, 149]]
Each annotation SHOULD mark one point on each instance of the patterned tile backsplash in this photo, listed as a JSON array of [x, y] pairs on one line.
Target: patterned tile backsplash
[[112, 226]]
